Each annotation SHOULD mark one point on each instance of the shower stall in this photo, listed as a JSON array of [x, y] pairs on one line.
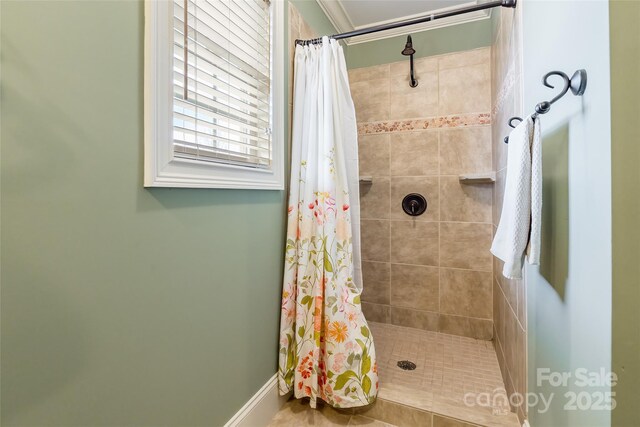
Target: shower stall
[[447, 327], [449, 331], [427, 225]]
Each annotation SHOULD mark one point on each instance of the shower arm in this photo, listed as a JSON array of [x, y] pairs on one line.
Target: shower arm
[[410, 51], [427, 18], [413, 82]]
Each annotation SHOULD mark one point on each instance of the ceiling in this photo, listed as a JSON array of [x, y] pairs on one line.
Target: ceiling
[[347, 15], [368, 12]]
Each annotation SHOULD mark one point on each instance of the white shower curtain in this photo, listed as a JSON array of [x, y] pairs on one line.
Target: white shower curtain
[[326, 348]]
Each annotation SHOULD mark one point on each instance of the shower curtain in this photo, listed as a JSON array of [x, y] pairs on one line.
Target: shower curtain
[[326, 348]]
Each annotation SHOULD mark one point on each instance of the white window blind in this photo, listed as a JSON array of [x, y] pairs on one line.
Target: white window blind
[[222, 82]]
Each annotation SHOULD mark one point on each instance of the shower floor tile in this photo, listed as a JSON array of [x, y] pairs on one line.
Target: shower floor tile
[[448, 368], [298, 413]]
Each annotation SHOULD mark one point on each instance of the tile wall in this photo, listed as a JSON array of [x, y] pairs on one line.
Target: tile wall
[[509, 296], [434, 271]]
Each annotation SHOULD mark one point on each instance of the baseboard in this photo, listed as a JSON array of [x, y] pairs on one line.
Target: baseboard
[[261, 408]]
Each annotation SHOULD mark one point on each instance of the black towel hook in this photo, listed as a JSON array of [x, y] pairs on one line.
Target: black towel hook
[[512, 119], [506, 138], [577, 83], [565, 79]]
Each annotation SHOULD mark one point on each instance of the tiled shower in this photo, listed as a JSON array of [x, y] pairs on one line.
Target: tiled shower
[[432, 289], [434, 271], [433, 294]]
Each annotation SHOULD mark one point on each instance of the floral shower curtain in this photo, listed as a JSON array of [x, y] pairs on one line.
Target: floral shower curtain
[[326, 348]]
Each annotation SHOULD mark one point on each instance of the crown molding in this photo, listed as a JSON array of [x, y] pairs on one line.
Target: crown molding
[[340, 19], [336, 14]]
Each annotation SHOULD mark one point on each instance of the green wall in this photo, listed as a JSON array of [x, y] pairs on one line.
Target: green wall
[[625, 135], [426, 43], [569, 294], [120, 305], [314, 16]]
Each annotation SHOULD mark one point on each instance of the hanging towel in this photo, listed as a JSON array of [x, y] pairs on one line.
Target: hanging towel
[[533, 249], [519, 228]]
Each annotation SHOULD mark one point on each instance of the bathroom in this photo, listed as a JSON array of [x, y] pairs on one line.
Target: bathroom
[[156, 294]]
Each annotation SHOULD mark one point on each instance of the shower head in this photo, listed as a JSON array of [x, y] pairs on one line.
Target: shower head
[[408, 48]]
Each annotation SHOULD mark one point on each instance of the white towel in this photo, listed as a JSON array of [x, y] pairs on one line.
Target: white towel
[[533, 249], [519, 228]]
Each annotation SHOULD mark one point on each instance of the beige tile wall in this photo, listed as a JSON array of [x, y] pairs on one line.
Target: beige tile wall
[[433, 271], [509, 296]]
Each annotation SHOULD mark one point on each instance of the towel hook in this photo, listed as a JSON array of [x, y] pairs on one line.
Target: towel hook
[[577, 83], [512, 119], [511, 125], [545, 80]]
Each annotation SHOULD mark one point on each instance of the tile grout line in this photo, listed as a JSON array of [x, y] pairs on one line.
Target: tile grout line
[[390, 207], [440, 209], [428, 221], [433, 312], [428, 266]]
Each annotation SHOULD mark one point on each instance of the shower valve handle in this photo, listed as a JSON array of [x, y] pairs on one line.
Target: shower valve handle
[[414, 207]]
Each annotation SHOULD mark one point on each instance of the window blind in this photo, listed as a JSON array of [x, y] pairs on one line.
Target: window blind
[[222, 81]]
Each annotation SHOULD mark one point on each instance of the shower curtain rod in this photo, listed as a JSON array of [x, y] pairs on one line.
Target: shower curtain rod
[[432, 17]]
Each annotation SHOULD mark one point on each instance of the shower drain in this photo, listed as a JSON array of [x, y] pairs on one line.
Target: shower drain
[[406, 365]]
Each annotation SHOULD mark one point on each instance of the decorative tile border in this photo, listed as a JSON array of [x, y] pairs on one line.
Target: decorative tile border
[[459, 120]]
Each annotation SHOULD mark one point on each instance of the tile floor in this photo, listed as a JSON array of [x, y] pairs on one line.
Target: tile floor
[[297, 413], [447, 368]]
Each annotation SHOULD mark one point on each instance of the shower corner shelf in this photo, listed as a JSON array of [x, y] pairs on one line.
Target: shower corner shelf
[[366, 180], [478, 178]]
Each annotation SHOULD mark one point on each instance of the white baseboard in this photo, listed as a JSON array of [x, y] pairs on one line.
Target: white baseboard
[[261, 408]]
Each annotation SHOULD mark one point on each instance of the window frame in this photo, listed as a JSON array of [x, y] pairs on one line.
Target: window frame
[[161, 167]]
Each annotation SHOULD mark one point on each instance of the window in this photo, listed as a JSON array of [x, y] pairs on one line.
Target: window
[[214, 94]]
